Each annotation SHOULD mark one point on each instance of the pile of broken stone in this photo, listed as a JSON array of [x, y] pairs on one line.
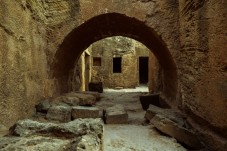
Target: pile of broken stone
[[73, 122], [76, 105], [68, 122], [65, 123]]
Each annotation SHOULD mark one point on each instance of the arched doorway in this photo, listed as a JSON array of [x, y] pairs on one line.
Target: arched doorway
[[107, 25]]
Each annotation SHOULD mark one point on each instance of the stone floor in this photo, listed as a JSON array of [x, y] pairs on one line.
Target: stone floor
[[134, 136]]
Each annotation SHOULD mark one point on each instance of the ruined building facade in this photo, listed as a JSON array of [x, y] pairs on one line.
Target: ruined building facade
[[116, 61], [40, 41]]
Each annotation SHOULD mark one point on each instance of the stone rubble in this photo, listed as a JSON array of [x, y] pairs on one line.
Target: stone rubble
[[180, 133], [169, 113], [69, 106], [173, 124], [29, 135]]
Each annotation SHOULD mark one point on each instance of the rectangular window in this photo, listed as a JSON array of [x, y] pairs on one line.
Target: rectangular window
[[117, 65], [97, 61]]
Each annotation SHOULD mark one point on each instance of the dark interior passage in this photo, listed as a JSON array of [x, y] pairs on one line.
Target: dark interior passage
[[117, 65], [143, 70]]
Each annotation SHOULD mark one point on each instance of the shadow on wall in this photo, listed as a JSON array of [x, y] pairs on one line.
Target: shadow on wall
[[108, 25]]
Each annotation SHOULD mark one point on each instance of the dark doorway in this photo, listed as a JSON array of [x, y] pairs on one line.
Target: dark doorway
[[117, 65], [143, 70]]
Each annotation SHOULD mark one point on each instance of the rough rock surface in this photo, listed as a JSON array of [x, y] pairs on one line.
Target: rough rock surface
[[85, 112], [172, 129], [34, 143], [28, 135], [116, 115], [169, 113], [59, 113]]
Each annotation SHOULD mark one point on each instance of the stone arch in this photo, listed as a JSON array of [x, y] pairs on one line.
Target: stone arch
[[107, 25]]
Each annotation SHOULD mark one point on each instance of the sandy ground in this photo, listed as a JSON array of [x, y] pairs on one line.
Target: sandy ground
[[134, 136]]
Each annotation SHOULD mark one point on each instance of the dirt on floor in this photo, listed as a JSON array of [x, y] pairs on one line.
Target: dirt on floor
[[135, 136]]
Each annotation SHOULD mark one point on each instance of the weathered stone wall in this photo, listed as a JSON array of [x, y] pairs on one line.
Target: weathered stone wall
[[23, 65], [202, 66], [129, 50]]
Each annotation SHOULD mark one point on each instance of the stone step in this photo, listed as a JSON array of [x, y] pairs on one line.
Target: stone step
[[85, 112], [61, 113]]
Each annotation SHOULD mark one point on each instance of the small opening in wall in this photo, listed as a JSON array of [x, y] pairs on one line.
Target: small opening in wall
[[117, 65], [97, 61]]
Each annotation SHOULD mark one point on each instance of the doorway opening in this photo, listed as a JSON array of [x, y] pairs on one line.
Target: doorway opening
[[143, 70], [117, 65]]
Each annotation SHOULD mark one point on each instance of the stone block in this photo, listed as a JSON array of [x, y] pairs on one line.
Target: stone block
[[95, 86], [172, 129], [148, 99], [59, 113], [85, 112], [115, 115]]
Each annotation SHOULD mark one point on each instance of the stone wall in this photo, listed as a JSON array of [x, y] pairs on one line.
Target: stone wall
[[23, 64], [128, 50], [202, 66]]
